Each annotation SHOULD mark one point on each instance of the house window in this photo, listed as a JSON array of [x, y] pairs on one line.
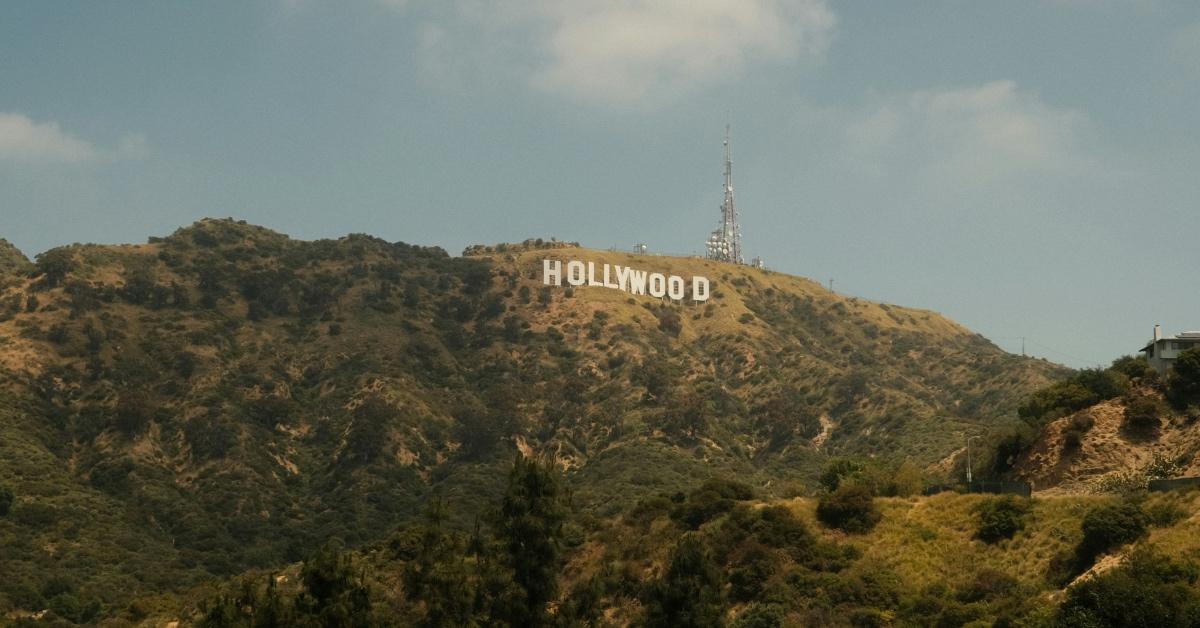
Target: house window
[[1182, 346]]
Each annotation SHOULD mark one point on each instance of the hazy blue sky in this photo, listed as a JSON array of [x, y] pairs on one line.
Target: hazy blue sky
[[1028, 168]]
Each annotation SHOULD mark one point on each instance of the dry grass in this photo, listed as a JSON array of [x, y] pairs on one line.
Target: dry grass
[[926, 540]]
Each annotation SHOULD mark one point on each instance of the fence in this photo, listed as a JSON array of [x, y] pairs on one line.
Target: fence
[[1173, 485]]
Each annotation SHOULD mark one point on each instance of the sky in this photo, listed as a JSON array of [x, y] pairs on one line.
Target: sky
[[1027, 167]]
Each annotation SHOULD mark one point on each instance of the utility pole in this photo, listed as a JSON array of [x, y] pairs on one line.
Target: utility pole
[[1022, 346], [831, 285]]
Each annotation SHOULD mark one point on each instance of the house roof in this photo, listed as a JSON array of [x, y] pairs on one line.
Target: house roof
[[1190, 336]]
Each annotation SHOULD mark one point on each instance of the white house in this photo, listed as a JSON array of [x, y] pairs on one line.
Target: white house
[[1161, 352]]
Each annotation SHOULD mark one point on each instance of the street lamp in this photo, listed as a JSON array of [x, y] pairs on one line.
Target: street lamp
[[969, 461]]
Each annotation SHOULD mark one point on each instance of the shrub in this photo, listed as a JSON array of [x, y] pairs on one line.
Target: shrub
[[689, 592], [1106, 527], [134, 412], [210, 436], [1164, 514], [268, 411], [669, 322], [112, 476], [988, 584], [713, 498], [1085, 389], [1000, 518], [1148, 590], [838, 469], [759, 615], [1079, 425], [1142, 415], [905, 480], [851, 508], [1132, 367], [1123, 482], [6, 500], [54, 265], [1183, 383]]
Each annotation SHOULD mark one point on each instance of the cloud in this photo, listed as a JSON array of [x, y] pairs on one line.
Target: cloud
[[623, 54], [23, 140], [986, 132], [647, 52]]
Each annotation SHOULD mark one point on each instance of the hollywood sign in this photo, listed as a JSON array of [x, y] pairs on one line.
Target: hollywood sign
[[623, 278]]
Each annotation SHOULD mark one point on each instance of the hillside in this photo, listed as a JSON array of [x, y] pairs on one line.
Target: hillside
[[774, 563], [227, 398], [1097, 449]]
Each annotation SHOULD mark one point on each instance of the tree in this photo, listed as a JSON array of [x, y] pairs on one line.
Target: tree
[[529, 529], [54, 265], [368, 429], [6, 500], [838, 469], [134, 412], [1183, 384], [688, 594], [687, 412], [478, 430], [334, 595], [437, 576]]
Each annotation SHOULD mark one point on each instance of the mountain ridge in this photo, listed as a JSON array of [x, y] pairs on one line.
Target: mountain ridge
[[240, 396]]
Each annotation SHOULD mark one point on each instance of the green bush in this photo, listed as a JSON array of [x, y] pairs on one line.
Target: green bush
[[1000, 518], [54, 265], [1148, 590], [210, 436], [689, 593], [713, 498], [759, 615], [1183, 382], [1132, 367], [1083, 390], [851, 508], [6, 500], [1079, 425], [838, 469], [1106, 527], [1142, 415]]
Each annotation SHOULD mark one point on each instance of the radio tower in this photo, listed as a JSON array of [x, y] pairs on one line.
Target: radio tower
[[725, 243]]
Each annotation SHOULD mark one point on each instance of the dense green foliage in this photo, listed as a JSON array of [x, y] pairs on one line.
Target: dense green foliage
[[1106, 527], [689, 593], [851, 507], [1147, 590], [1000, 518], [1183, 382], [529, 527], [227, 399], [1084, 389]]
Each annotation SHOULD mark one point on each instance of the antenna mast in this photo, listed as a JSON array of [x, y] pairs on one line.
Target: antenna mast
[[725, 243]]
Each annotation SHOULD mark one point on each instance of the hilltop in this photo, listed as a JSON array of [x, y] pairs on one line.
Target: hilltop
[[227, 398]]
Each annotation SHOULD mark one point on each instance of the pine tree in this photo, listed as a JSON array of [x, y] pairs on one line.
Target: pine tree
[[529, 530], [688, 595]]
